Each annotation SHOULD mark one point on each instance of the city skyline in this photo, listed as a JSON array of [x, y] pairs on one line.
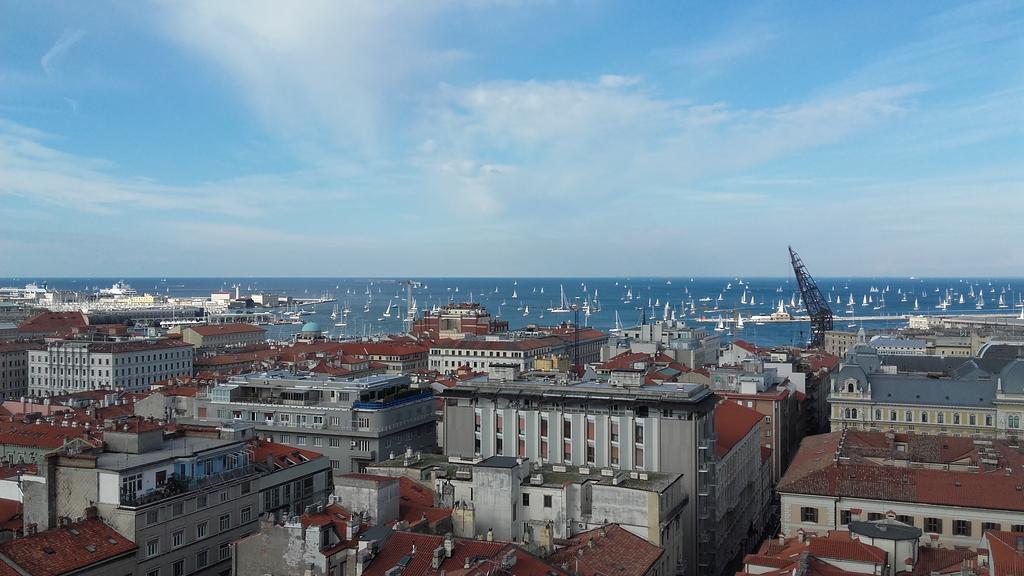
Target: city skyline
[[478, 139]]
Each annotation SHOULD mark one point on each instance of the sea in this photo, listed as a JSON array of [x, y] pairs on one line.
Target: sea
[[526, 301]]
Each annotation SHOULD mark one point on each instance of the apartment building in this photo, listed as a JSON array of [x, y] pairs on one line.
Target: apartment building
[[693, 347], [66, 366], [181, 498], [14, 369], [457, 320], [953, 489], [968, 400], [665, 428], [519, 349], [395, 357], [353, 422]]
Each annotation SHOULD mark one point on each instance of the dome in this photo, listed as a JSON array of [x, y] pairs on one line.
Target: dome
[[310, 327]]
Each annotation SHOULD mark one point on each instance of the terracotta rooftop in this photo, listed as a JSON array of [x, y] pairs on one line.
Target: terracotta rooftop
[[732, 423], [1006, 552], [854, 467], [53, 323], [281, 455], [608, 550], [383, 349], [485, 556], [224, 329], [416, 504], [817, 553], [66, 549]]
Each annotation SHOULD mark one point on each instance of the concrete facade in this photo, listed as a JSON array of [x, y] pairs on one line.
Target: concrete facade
[[352, 422], [667, 428], [14, 369]]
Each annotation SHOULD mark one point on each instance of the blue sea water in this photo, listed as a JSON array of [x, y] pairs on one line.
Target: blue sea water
[[509, 298]]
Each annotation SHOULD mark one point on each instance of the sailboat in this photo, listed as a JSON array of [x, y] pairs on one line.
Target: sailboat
[[514, 294], [916, 307], [865, 301], [387, 313], [720, 327], [526, 312], [563, 304], [961, 299], [334, 313], [981, 300], [618, 323], [1002, 302], [739, 321]]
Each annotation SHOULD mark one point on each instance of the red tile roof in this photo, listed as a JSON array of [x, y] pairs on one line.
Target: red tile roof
[[783, 558], [68, 548], [608, 550], [281, 455], [10, 515], [384, 349], [37, 435], [416, 504], [223, 329], [857, 473], [53, 323], [1004, 549], [732, 423], [487, 555]]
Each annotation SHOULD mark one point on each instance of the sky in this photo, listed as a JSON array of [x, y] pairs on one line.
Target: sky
[[511, 138]]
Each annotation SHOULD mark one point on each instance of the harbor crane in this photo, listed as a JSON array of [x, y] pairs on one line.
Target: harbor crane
[[817, 306]]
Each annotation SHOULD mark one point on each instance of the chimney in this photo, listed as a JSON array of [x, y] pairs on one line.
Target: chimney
[[91, 513], [490, 535], [354, 524], [449, 545]]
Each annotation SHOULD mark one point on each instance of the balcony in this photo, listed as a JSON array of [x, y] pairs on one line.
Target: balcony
[[415, 397], [177, 486]]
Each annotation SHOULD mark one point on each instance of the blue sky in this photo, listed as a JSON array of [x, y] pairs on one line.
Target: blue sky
[[510, 137]]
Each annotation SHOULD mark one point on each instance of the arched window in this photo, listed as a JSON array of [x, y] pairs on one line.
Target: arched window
[[924, 417], [878, 414], [940, 417], [849, 387], [908, 416], [854, 412], [1013, 421], [846, 413], [956, 417]]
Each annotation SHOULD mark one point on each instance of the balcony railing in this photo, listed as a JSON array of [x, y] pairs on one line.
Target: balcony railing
[[177, 485]]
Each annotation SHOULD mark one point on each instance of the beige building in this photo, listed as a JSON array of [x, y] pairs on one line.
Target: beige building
[[220, 336], [954, 489], [967, 401]]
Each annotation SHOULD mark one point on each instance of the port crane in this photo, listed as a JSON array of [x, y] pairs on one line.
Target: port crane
[[817, 306]]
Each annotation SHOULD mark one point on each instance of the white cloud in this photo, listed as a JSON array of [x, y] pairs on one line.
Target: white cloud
[[51, 59]]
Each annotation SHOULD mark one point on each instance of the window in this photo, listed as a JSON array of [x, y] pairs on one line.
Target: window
[[892, 415], [336, 464], [615, 431], [152, 547], [988, 419], [567, 429], [246, 514], [808, 514], [223, 495], [300, 440], [908, 520], [318, 441], [547, 500], [544, 426], [153, 572], [986, 526], [202, 529], [845, 516], [246, 487], [1017, 528], [201, 501], [933, 525], [908, 416], [961, 527], [224, 551], [202, 558], [1013, 421], [178, 539], [526, 499], [878, 414], [875, 516], [178, 568], [334, 442], [152, 517], [225, 522], [924, 417], [972, 419], [638, 433], [131, 484], [956, 418]]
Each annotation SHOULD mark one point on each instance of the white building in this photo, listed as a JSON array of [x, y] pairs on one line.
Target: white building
[[66, 366]]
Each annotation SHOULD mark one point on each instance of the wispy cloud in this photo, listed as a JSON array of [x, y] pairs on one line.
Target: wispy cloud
[[52, 58]]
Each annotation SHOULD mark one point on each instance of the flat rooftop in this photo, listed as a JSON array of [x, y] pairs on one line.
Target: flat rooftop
[[654, 482], [182, 447], [287, 379], [592, 389]]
